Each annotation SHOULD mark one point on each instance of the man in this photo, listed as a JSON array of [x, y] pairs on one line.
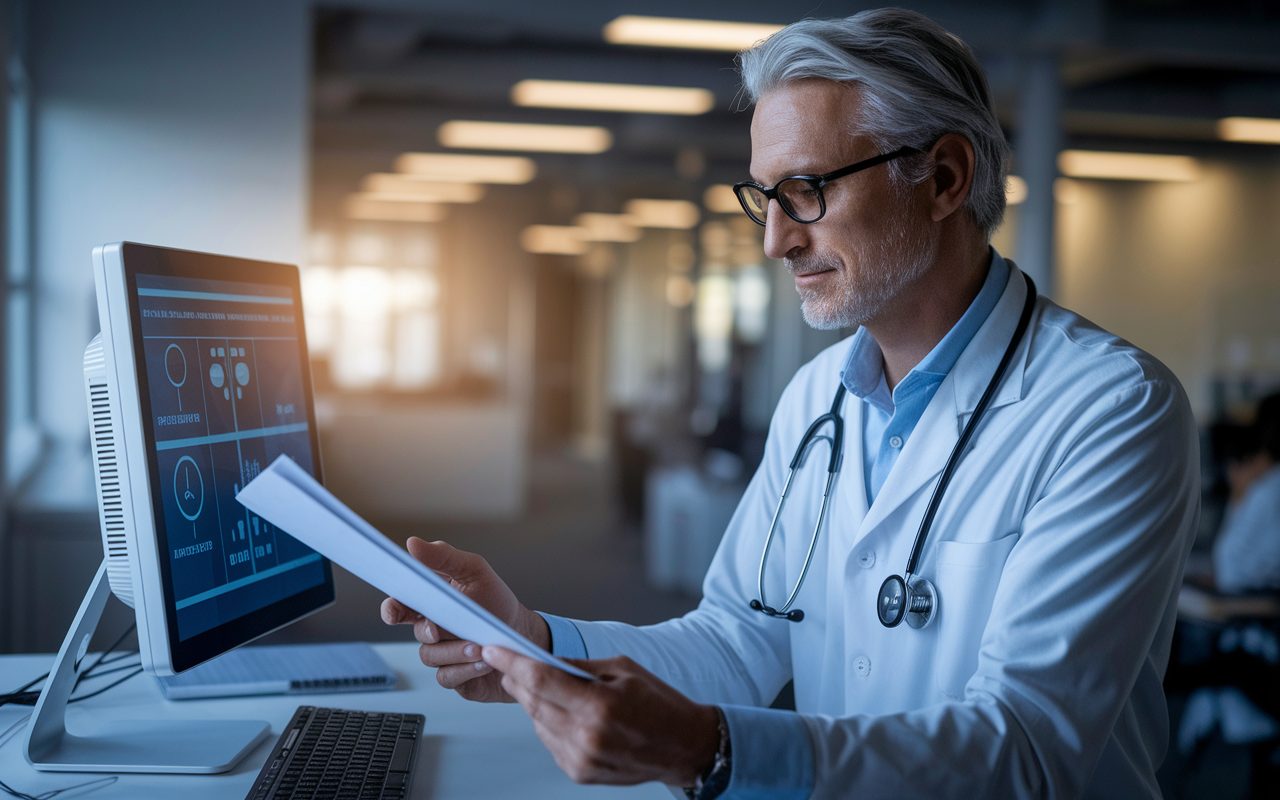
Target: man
[[1056, 552]]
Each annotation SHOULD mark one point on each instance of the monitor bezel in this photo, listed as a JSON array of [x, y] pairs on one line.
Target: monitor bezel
[[137, 259]]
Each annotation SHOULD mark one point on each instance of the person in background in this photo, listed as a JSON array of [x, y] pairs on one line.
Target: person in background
[[1246, 554]]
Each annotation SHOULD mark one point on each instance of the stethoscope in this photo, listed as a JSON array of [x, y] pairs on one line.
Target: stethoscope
[[913, 597]]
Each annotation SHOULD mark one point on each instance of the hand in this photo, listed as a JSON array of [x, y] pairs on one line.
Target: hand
[[459, 663], [627, 727]]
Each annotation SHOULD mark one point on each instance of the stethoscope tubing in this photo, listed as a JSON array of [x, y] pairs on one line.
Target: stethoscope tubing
[[935, 500], [1028, 307]]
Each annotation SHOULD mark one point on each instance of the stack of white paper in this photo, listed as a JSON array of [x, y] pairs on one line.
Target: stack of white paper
[[288, 497]]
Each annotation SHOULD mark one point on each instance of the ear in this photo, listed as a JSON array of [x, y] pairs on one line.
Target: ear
[[953, 165]]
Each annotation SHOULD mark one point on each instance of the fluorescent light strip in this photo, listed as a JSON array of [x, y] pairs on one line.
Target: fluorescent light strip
[[608, 227], [1127, 166], [1249, 129], [720, 199], [690, 34], [407, 187], [457, 168], [1015, 190], [362, 206], [678, 214], [612, 97], [561, 240], [518, 136]]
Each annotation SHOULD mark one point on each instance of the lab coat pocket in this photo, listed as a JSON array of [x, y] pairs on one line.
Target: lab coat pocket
[[968, 573]]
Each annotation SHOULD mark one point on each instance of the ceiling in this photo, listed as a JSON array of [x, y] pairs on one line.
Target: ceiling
[[1137, 74]]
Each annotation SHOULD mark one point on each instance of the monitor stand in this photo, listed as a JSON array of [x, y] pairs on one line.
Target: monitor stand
[[203, 746]]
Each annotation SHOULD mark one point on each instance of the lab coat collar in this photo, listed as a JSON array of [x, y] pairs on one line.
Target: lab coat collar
[[938, 430]]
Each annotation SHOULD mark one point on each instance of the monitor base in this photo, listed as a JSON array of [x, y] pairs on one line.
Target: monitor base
[[195, 746]]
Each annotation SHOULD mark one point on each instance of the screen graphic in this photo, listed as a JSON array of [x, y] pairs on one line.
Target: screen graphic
[[224, 375]]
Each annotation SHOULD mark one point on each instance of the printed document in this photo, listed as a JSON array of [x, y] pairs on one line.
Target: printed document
[[288, 497]]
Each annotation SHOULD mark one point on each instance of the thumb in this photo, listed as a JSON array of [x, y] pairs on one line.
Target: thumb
[[447, 561]]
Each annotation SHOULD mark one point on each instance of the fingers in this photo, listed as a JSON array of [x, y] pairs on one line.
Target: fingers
[[528, 680], [396, 613], [445, 654], [454, 676], [448, 561]]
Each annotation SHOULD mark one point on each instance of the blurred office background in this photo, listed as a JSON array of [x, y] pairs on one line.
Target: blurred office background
[[560, 345]]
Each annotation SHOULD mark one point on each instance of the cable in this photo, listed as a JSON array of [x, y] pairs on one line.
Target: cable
[[55, 792], [26, 696]]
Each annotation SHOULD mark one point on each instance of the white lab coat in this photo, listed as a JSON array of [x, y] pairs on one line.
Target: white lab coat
[[1057, 554]]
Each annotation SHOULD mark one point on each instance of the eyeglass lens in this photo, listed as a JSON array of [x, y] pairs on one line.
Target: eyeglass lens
[[801, 199]]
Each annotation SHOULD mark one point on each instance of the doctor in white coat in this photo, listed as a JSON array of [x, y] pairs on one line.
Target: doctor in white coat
[[1057, 548]]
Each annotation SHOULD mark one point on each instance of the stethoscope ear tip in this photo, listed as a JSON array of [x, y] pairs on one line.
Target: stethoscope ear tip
[[795, 615]]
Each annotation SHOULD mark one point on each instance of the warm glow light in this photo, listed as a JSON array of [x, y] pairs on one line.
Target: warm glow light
[[679, 214], [374, 207], [1015, 190], [692, 34], [391, 186], [720, 199], [1066, 191], [563, 240], [1249, 129], [1127, 166], [520, 136], [456, 168], [607, 227], [612, 97]]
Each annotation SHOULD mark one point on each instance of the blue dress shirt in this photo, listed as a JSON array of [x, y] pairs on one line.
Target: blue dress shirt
[[889, 418]]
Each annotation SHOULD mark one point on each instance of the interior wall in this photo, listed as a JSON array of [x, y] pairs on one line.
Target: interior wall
[[1189, 272], [179, 124]]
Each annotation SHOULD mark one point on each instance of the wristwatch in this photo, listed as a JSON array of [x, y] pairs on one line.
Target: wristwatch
[[717, 780]]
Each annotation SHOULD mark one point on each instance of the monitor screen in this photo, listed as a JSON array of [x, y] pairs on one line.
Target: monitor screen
[[224, 387]]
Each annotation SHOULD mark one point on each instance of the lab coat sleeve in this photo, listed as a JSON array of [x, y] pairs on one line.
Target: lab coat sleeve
[[1085, 594]]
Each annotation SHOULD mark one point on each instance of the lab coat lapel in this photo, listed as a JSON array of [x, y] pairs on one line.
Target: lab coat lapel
[[851, 485], [936, 434], [921, 459]]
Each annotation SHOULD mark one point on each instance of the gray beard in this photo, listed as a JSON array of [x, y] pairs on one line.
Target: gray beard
[[885, 266]]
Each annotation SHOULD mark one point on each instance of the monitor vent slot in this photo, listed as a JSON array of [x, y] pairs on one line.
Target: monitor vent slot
[[107, 467]]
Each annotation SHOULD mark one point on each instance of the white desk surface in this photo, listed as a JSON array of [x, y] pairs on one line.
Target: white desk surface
[[469, 750]]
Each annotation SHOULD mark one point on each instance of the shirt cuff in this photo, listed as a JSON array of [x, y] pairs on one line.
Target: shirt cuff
[[772, 755], [566, 640]]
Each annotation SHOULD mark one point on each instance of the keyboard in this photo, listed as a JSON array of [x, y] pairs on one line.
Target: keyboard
[[332, 754]]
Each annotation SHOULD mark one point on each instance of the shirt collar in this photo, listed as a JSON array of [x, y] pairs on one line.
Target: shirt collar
[[863, 371]]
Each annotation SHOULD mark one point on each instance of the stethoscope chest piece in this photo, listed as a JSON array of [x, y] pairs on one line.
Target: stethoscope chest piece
[[916, 602]]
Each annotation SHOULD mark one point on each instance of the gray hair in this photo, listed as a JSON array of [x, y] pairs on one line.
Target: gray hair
[[917, 82]]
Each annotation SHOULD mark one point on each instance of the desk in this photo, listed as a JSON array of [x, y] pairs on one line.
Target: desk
[[470, 750]]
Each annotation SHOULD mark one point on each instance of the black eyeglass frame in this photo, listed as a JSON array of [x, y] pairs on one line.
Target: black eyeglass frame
[[815, 181]]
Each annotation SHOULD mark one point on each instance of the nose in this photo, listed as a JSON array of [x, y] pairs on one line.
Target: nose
[[783, 236]]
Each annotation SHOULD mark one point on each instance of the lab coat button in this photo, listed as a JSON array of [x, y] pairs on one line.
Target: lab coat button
[[895, 442], [866, 559], [862, 666]]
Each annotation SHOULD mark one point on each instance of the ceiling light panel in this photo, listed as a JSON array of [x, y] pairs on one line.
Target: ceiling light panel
[[1249, 129], [562, 240], [457, 168], [1127, 166], [691, 34], [608, 227], [612, 97], [517, 136], [409, 187], [366, 207], [720, 199], [678, 214]]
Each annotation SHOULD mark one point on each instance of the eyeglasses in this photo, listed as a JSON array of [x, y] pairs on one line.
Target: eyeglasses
[[801, 195]]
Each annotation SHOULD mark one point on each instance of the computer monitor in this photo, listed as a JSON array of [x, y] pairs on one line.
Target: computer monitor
[[198, 380], [205, 375]]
